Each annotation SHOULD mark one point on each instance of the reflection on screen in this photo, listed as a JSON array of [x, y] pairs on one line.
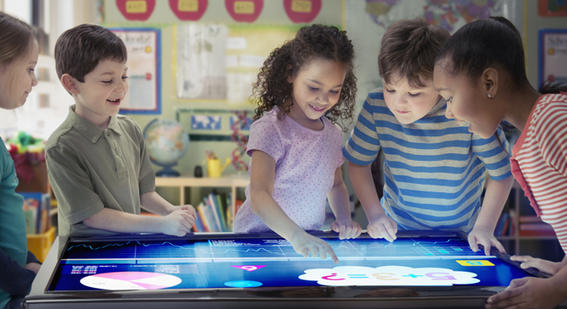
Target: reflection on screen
[[245, 263]]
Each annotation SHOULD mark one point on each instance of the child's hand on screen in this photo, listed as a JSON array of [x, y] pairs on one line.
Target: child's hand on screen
[[346, 230], [308, 245], [383, 227], [485, 237], [539, 264]]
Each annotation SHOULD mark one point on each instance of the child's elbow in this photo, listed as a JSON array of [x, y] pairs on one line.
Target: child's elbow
[[90, 222], [93, 221]]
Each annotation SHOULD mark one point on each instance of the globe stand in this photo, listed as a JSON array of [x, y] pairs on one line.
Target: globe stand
[[167, 170]]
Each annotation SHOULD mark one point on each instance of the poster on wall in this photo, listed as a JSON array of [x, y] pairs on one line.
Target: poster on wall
[[200, 62], [549, 8], [220, 62], [552, 53], [143, 46]]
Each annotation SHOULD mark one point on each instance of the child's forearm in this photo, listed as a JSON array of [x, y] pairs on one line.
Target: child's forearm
[[14, 279], [122, 222], [560, 282], [495, 196], [265, 207], [338, 198], [154, 203], [363, 185], [339, 202]]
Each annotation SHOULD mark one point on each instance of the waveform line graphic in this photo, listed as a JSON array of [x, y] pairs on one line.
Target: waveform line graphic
[[240, 250], [125, 244]]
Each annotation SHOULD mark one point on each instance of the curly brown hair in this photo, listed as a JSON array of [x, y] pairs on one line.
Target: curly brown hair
[[273, 88]]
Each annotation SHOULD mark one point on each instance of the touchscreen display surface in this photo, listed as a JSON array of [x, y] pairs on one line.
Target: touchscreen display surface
[[271, 262]]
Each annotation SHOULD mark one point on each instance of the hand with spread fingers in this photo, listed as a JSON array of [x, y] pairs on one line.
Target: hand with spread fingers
[[485, 237]]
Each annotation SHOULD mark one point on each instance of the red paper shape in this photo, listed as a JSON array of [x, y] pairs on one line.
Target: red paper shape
[[244, 10], [302, 11], [188, 9], [136, 9]]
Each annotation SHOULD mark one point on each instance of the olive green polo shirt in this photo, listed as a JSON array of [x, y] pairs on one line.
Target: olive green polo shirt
[[91, 168]]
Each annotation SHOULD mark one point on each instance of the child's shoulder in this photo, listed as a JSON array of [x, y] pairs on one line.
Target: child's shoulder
[[376, 97], [269, 118], [549, 107], [58, 133]]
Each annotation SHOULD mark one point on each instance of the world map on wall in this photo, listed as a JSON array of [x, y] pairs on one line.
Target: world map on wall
[[367, 21], [445, 13]]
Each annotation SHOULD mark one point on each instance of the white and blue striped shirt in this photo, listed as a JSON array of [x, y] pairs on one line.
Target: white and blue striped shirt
[[434, 168]]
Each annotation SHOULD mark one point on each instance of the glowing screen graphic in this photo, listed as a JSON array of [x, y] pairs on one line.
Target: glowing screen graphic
[[252, 262]]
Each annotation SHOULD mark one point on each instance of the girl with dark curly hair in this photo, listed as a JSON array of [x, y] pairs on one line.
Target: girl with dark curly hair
[[303, 89]]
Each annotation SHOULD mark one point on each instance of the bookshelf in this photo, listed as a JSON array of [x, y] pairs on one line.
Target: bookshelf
[[527, 234], [232, 182]]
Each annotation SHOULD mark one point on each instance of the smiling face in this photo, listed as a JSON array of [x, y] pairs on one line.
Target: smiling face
[[17, 78], [99, 96], [467, 99], [316, 89], [407, 103]]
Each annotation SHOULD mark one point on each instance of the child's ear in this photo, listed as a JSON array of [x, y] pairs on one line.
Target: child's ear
[[489, 79], [69, 83]]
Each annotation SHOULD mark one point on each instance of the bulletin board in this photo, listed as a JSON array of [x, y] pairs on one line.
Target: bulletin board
[[220, 62], [552, 55], [144, 72]]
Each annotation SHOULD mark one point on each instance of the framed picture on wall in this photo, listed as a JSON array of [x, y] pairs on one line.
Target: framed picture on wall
[[144, 70], [549, 8], [552, 56]]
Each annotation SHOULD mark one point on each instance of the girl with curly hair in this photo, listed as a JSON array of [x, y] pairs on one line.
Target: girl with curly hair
[[303, 89]]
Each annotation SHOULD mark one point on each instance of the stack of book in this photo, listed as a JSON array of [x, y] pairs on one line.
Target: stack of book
[[214, 214], [533, 226], [36, 212]]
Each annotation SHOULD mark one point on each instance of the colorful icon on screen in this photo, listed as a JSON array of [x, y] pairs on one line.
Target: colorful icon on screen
[[475, 263], [388, 275], [243, 284], [249, 267], [130, 280]]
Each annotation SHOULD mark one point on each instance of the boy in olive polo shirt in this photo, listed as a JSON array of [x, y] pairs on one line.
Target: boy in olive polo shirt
[[97, 162]]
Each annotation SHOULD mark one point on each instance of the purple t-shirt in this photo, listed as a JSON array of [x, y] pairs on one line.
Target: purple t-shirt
[[306, 161]]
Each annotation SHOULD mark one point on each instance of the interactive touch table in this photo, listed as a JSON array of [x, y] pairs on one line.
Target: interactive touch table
[[418, 270]]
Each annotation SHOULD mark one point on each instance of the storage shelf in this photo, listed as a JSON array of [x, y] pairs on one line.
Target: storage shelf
[[232, 182]]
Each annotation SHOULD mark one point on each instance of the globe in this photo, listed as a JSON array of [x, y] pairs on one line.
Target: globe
[[166, 143]]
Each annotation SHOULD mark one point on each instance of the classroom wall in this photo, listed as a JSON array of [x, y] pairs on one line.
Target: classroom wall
[[365, 22], [533, 22], [164, 19]]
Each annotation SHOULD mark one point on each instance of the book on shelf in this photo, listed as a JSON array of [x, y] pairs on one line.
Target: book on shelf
[[503, 225], [533, 226], [214, 214], [36, 209]]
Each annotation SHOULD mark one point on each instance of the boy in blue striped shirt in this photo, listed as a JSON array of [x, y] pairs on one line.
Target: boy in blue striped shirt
[[434, 167]]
